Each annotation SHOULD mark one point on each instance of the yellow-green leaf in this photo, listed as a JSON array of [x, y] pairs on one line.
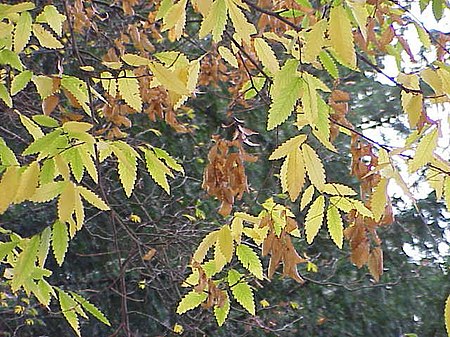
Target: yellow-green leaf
[[25, 262], [341, 36], [203, 248], [45, 38], [53, 18], [214, 21], [266, 55], [221, 313], [20, 81], [447, 315], [92, 198], [307, 197], [314, 42], [241, 291], [60, 241], [240, 23], [314, 166], [135, 60], [250, 260], [8, 187], [378, 199], [157, 170], [28, 183], [424, 151], [168, 78], [78, 89], [228, 56], [48, 191], [287, 147], [4, 95], [285, 92], [92, 309], [22, 32], [295, 174], [68, 309], [66, 202], [335, 226], [128, 86], [225, 242], [190, 301], [314, 218], [338, 189]]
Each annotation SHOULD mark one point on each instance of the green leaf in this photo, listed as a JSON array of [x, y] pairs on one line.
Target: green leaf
[[157, 170], [92, 309], [44, 292], [25, 262], [68, 309], [4, 95], [214, 21], [221, 313], [128, 86], [11, 58], [48, 191], [53, 18], [7, 156], [328, 64], [190, 301], [78, 89], [20, 81], [60, 241], [126, 156], [314, 218], [22, 32], [241, 291], [92, 198], [6, 248], [44, 246], [46, 121], [250, 260], [285, 92], [335, 226]]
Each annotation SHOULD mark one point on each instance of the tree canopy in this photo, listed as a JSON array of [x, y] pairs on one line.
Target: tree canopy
[[203, 158]]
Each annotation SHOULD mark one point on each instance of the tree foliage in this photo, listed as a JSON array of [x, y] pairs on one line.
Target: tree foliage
[[83, 151]]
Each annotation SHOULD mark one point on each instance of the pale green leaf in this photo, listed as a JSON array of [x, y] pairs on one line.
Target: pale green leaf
[[243, 28], [190, 301], [9, 57], [25, 262], [92, 198], [44, 85], [68, 309], [60, 241], [314, 42], [203, 248], [215, 21], [45, 38], [314, 166], [266, 55], [250, 260], [22, 32], [4, 95], [286, 90], [424, 151], [341, 36], [7, 156], [48, 191], [36, 132], [53, 18], [92, 309], [328, 64], [314, 218], [44, 246], [170, 161], [127, 165], [46, 121], [228, 56]]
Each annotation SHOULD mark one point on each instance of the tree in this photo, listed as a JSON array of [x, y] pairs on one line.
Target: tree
[[91, 159]]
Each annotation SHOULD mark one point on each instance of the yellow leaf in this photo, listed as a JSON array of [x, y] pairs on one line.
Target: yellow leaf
[[66, 202], [243, 28], [314, 218], [228, 56], [447, 315], [28, 183], [175, 19], [264, 303], [432, 78], [314, 167], [79, 209], [45, 38], [436, 181], [236, 229], [178, 329], [424, 151], [135, 60], [266, 55], [314, 42], [295, 175], [168, 79], [288, 146], [225, 242], [447, 192], [360, 14], [128, 86], [338, 189], [214, 21], [202, 249], [307, 197], [8, 187], [341, 36]]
